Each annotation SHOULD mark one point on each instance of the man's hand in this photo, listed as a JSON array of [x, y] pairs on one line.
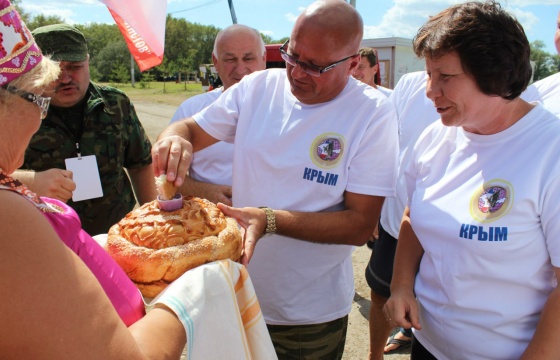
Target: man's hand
[[172, 155], [253, 222], [213, 192], [219, 194], [53, 183]]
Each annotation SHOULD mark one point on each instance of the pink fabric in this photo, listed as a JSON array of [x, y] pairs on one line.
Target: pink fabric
[[18, 51], [122, 292]]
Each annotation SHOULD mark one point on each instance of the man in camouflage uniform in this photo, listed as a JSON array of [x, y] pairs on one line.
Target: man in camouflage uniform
[[87, 119]]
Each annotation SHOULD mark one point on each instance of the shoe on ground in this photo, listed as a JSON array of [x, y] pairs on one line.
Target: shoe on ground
[[402, 344]]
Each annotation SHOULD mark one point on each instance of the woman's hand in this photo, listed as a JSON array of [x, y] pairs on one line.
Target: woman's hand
[[401, 309]]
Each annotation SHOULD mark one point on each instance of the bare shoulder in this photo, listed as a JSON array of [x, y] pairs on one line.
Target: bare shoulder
[[18, 217], [45, 289]]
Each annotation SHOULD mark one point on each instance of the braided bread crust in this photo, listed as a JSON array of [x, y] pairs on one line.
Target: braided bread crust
[[155, 247]]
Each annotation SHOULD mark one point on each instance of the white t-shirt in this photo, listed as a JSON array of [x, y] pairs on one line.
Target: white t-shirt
[[486, 209], [385, 91], [214, 163], [293, 156], [414, 113], [547, 92]]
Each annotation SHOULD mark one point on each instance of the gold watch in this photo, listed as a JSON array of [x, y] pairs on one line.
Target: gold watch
[[270, 220]]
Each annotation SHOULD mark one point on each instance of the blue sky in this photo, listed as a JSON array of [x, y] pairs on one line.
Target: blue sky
[[382, 18]]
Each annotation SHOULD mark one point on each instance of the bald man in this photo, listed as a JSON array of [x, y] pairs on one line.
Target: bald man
[[315, 155], [238, 51]]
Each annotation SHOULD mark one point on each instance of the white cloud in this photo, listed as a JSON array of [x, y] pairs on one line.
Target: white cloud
[[267, 32], [526, 18], [523, 3], [51, 10], [89, 2], [65, 10], [405, 17], [291, 17]]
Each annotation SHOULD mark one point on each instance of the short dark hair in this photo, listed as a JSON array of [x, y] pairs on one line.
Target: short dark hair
[[369, 54], [373, 59], [490, 42]]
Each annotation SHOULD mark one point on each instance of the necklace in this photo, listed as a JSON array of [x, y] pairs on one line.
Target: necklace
[[9, 183]]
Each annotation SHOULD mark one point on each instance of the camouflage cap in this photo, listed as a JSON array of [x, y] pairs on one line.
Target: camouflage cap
[[63, 42]]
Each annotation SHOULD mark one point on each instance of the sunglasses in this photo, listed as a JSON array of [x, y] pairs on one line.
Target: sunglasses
[[40, 101], [309, 69]]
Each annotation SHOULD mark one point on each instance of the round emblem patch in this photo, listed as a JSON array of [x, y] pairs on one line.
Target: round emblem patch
[[492, 201], [327, 150]]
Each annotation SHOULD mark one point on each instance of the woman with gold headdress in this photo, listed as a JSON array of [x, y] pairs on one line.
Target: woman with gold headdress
[[62, 296]]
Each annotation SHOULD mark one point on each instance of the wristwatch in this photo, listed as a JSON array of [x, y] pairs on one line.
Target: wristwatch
[[270, 220]]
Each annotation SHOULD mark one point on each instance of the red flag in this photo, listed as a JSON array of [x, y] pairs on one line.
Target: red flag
[[142, 23]]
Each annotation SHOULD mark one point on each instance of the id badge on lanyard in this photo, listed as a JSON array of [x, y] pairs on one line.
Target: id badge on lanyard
[[86, 176]]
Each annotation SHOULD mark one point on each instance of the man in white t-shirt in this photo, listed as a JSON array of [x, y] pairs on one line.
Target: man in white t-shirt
[[238, 51], [414, 113], [318, 147], [547, 90], [367, 72]]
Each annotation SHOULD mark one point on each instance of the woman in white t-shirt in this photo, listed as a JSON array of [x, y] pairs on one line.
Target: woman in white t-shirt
[[478, 252]]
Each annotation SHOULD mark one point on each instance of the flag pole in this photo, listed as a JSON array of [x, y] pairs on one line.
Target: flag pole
[[132, 70], [232, 10]]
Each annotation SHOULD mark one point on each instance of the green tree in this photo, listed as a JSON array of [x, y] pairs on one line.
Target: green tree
[[99, 36], [187, 45], [120, 74], [176, 35], [24, 16], [556, 63], [42, 20], [282, 40], [111, 59], [146, 78], [268, 40], [201, 40], [166, 70], [544, 63]]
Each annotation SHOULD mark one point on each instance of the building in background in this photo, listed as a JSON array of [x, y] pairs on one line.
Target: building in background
[[396, 58]]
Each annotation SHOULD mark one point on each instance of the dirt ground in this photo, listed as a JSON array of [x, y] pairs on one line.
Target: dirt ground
[[155, 117]]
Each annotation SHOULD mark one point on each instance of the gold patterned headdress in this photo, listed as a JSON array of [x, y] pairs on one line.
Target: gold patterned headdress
[[18, 51]]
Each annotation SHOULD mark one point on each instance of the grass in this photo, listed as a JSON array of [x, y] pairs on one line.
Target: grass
[[173, 93]]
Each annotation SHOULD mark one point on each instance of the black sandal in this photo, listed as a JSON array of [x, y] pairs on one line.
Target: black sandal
[[401, 344]]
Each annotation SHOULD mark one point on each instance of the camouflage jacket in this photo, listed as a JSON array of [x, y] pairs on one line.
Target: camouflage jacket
[[112, 132]]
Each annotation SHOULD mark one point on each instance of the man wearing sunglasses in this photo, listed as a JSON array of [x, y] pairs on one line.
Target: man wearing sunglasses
[[86, 119], [315, 154]]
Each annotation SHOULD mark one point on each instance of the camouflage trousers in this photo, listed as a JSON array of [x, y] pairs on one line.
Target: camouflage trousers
[[319, 341]]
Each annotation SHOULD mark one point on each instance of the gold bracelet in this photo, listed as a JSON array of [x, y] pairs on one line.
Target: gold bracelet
[[270, 220]]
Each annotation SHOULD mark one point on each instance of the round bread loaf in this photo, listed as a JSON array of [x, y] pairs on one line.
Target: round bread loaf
[[155, 247]]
